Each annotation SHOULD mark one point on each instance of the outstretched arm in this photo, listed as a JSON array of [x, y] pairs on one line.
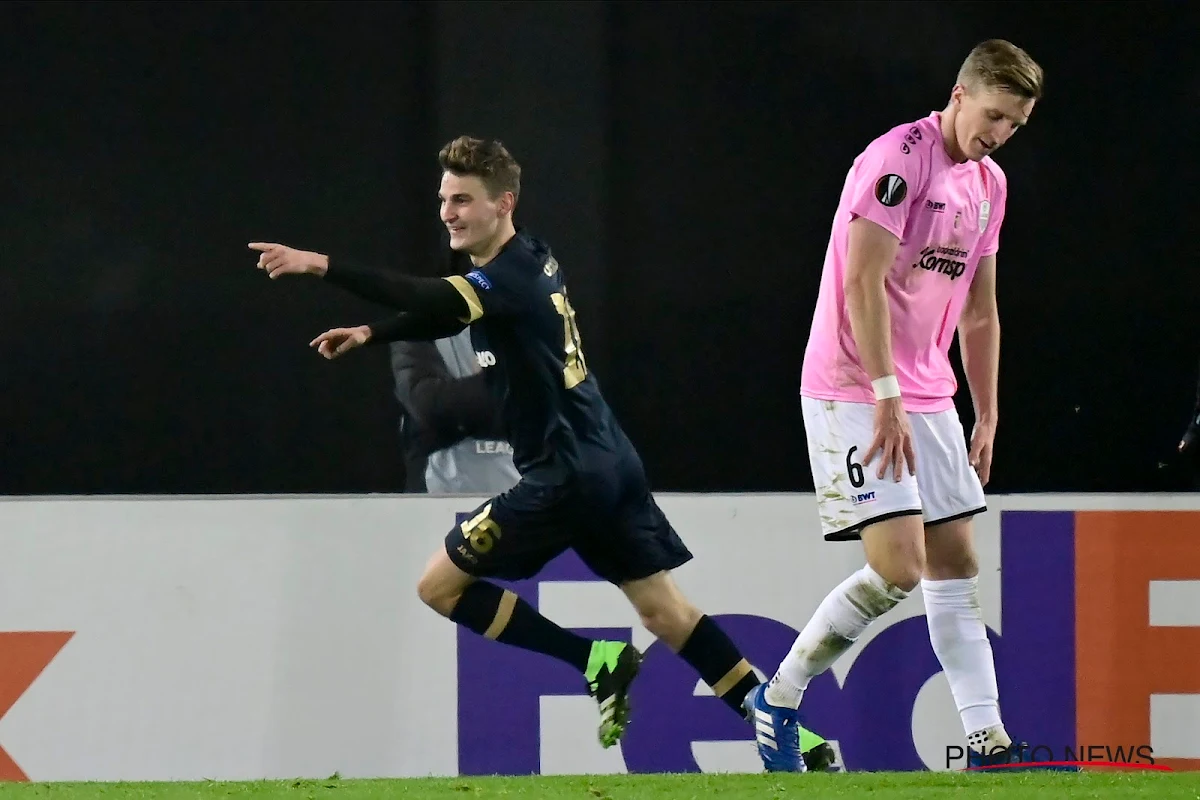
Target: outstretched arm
[[402, 327], [432, 299]]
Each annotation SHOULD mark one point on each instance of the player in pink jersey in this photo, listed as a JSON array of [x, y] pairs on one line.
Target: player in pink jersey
[[911, 259]]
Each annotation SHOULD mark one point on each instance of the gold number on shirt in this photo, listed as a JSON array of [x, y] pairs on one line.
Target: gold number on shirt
[[575, 369]]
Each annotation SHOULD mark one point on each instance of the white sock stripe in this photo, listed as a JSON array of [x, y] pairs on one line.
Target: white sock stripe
[[763, 740], [762, 715], [764, 727]]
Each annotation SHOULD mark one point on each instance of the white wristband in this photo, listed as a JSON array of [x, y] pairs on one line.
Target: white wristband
[[886, 387]]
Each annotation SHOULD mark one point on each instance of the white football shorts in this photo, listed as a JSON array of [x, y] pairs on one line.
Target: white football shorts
[[850, 496]]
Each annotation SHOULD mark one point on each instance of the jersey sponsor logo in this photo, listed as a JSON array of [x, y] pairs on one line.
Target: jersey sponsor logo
[[944, 260], [479, 279], [864, 497], [891, 190], [486, 358], [935, 206]]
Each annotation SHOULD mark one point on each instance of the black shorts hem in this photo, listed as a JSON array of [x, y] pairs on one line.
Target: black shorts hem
[[624, 577], [461, 561], [961, 515], [854, 532]]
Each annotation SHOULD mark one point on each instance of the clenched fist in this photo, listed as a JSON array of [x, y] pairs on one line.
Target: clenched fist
[[279, 259], [336, 342]]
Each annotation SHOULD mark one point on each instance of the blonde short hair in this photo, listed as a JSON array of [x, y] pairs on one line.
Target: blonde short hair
[[998, 64]]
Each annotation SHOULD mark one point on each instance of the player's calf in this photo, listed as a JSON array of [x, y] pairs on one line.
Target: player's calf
[[663, 610], [498, 614], [958, 633], [695, 636], [838, 622]]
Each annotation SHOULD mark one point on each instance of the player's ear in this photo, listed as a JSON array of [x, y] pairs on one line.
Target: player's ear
[[506, 203]]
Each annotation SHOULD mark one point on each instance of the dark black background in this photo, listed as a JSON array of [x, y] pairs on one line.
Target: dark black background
[[684, 159]]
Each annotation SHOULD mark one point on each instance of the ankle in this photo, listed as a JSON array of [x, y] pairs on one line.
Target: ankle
[[782, 693]]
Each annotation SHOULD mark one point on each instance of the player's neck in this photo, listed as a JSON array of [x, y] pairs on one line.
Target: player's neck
[[949, 139], [495, 245]]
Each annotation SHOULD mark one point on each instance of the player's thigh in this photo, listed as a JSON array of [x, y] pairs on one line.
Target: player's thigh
[[628, 538], [513, 535], [949, 486], [850, 495]]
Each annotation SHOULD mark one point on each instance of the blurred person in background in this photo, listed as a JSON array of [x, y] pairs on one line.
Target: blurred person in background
[[451, 430]]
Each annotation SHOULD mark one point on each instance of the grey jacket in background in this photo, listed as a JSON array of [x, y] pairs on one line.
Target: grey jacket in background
[[451, 428]]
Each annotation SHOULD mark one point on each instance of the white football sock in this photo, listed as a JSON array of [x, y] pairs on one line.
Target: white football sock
[[959, 639], [840, 619]]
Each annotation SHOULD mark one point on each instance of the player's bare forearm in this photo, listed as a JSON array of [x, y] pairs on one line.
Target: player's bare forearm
[[870, 322], [979, 341], [871, 252]]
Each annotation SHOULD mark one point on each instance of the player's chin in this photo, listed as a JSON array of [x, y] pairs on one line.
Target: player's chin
[[979, 151]]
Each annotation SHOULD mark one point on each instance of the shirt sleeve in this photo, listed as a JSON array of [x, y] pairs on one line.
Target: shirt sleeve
[[415, 327], [886, 180], [430, 296], [500, 289]]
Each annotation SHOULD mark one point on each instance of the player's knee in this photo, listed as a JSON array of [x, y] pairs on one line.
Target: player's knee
[[952, 566], [895, 549], [671, 620], [903, 573], [439, 595], [950, 552]]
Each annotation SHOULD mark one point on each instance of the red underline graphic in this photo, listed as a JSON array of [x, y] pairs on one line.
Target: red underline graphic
[[1028, 764]]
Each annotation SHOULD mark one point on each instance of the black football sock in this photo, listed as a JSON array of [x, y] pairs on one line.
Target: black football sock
[[720, 664], [499, 614]]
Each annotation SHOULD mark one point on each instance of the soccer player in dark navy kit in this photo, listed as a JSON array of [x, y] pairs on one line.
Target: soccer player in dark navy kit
[[582, 483]]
